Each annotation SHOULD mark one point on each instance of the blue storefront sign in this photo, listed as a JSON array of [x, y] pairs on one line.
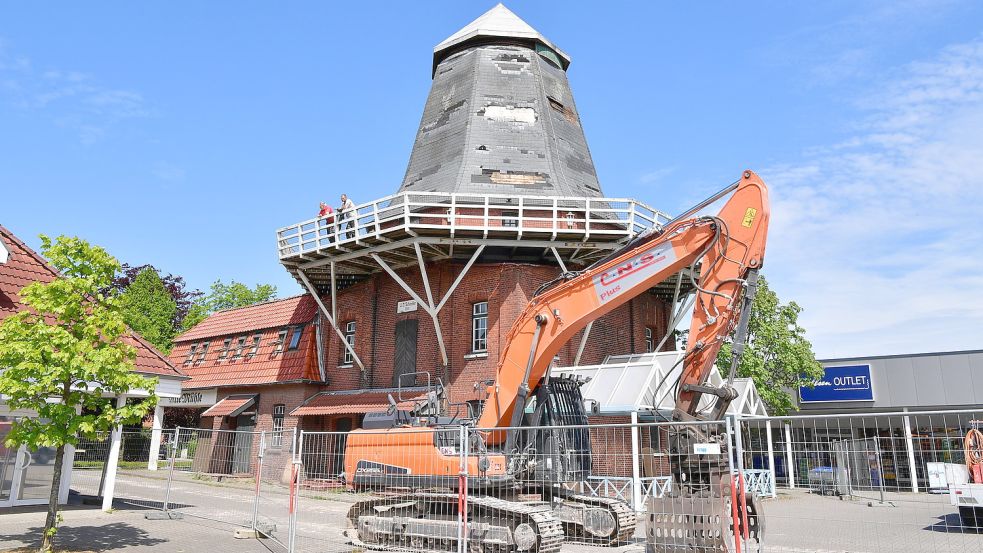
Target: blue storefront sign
[[844, 383]]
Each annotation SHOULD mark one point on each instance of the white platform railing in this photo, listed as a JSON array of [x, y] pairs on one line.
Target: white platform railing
[[472, 215]]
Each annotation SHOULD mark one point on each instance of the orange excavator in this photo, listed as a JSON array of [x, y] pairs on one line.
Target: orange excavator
[[531, 439]]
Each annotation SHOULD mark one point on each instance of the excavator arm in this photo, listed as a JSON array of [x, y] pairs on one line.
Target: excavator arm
[[729, 249]]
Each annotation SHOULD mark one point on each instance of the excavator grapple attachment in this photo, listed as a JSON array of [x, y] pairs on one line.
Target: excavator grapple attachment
[[710, 522]]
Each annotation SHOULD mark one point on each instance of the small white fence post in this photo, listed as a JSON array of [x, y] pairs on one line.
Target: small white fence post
[[155, 438], [636, 458], [771, 459], [910, 446], [789, 461], [259, 477], [112, 461], [170, 468]]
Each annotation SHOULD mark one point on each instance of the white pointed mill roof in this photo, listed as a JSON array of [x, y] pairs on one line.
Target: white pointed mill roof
[[497, 22]]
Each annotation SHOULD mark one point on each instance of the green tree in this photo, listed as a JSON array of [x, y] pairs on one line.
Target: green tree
[[149, 309], [63, 355], [227, 296], [778, 357]]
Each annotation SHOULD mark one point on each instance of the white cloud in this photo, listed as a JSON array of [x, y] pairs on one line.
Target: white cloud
[[877, 237], [70, 99], [656, 175]]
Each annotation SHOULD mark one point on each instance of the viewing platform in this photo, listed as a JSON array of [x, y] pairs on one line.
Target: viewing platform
[[403, 228]]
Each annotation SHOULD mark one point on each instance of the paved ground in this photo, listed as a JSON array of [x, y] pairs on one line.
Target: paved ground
[[796, 522], [92, 529]]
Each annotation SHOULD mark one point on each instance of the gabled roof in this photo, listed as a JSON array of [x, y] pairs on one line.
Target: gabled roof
[[496, 22], [276, 313], [24, 266], [270, 364]]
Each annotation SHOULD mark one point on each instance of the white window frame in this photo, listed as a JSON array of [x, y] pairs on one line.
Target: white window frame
[[479, 322], [240, 345], [350, 327], [191, 353], [281, 338], [649, 340], [276, 437], [226, 347], [203, 351], [257, 338]]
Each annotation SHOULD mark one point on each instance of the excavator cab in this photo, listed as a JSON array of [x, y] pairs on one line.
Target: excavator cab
[[555, 440]]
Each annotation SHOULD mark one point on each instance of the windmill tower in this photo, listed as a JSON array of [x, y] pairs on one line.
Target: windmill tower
[[500, 196]]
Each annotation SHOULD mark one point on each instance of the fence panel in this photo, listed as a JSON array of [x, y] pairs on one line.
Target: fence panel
[[214, 475], [862, 482], [88, 468], [400, 473]]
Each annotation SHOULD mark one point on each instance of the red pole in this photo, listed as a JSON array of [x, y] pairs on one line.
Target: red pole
[[293, 488], [733, 513], [743, 506]]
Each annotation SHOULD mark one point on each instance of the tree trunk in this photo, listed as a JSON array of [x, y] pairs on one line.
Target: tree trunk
[[51, 522]]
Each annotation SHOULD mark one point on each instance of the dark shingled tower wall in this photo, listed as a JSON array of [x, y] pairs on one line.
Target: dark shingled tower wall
[[501, 118]]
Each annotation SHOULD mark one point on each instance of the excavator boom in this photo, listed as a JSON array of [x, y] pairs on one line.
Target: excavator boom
[[728, 247]]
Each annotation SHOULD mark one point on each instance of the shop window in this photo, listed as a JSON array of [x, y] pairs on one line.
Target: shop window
[[295, 337], [276, 439], [479, 327], [350, 340]]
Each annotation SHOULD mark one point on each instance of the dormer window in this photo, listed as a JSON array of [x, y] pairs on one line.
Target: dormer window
[[191, 353], [240, 345], [255, 349], [281, 337], [224, 352], [202, 352], [295, 338]]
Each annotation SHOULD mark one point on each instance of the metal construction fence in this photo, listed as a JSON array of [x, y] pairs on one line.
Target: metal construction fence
[[858, 483]]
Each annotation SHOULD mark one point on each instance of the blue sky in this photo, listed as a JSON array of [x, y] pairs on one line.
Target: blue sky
[[184, 133]]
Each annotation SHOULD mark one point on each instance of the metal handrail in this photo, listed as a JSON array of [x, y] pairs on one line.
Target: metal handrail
[[469, 212]]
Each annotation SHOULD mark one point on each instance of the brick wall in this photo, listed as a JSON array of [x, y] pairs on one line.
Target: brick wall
[[611, 447], [507, 287], [289, 395]]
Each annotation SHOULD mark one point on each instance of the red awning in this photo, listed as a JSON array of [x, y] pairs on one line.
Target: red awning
[[231, 406], [328, 403]]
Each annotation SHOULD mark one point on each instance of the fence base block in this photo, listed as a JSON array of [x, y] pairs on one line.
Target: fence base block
[[163, 515], [247, 534]]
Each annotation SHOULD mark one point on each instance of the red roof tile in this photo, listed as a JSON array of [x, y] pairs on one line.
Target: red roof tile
[[231, 406], [288, 311], [334, 403], [25, 266], [265, 366]]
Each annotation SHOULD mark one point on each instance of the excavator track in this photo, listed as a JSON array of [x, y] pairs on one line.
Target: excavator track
[[624, 519], [427, 521]]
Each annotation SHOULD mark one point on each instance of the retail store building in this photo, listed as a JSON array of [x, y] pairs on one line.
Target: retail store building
[[857, 390]]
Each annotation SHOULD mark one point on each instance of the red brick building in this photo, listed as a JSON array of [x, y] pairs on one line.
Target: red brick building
[[499, 198]]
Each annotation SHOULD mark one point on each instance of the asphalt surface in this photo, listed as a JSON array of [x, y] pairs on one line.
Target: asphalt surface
[[796, 522]]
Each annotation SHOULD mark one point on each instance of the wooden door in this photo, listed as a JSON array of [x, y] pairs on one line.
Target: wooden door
[[405, 352]]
